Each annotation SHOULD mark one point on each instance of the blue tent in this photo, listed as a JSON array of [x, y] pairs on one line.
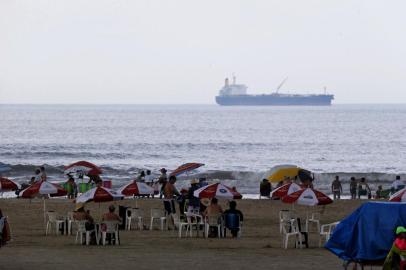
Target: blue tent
[[368, 233]]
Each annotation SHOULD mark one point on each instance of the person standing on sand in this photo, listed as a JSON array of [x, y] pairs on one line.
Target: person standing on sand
[[336, 188], [162, 180], [265, 189], [37, 175], [149, 179], [4, 230], [193, 202], [43, 173], [169, 193], [141, 177], [363, 188], [397, 184], [353, 188]]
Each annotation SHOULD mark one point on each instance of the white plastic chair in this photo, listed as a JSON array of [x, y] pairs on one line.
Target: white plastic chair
[[159, 215], [216, 222], [81, 230], [136, 215], [188, 226], [285, 216], [70, 221], [291, 229], [53, 218], [111, 228], [325, 231], [313, 219]]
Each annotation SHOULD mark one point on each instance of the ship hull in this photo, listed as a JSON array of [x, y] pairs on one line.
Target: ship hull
[[275, 100]]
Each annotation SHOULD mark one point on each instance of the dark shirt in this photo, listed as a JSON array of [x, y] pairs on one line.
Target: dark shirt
[[265, 189], [193, 201], [234, 211]]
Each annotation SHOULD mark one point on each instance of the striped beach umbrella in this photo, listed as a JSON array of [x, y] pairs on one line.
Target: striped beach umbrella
[[307, 196], [43, 188], [135, 189], [99, 194], [217, 190], [185, 168], [284, 190], [7, 185], [83, 167], [399, 196]]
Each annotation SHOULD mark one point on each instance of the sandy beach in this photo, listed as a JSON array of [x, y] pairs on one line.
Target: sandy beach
[[258, 248]]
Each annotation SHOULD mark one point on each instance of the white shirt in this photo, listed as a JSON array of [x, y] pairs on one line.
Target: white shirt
[[149, 178], [396, 184]]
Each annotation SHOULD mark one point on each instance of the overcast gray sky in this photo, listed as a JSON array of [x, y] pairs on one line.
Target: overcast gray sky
[[145, 51]]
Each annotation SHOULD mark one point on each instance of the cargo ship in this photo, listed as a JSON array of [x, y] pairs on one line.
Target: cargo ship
[[236, 95]]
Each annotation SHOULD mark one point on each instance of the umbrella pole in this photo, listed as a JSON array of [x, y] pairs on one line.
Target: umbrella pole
[[100, 215], [44, 208]]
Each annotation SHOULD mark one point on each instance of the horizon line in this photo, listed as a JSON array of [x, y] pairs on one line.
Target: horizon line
[[214, 104]]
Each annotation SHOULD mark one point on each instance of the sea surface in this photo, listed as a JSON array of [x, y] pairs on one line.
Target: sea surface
[[236, 143]]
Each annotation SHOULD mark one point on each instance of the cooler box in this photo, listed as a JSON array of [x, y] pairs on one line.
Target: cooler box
[[83, 187], [107, 183]]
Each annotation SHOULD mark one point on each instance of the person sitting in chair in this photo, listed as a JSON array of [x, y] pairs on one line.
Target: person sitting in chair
[[110, 215], [233, 218]]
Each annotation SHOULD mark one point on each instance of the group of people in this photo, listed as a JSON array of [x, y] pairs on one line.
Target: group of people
[[359, 188], [81, 214]]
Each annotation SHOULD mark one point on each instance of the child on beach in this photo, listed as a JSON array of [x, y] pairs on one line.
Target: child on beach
[[397, 254]]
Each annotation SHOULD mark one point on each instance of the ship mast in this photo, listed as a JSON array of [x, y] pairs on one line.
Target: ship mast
[[280, 85]]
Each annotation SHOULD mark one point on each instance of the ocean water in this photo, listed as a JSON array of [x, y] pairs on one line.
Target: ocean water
[[235, 143]]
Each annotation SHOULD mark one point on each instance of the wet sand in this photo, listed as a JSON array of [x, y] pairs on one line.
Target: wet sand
[[258, 248]]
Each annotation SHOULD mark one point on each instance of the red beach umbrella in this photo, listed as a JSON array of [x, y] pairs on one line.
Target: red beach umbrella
[[99, 194], [307, 196], [83, 167], [7, 185], [187, 167], [399, 196], [43, 188], [284, 190], [217, 190], [135, 188]]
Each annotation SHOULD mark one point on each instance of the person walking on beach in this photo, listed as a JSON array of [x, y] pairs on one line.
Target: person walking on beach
[[353, 188], [336, 188]]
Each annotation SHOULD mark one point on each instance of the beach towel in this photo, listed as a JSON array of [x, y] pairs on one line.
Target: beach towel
[[368, 233]]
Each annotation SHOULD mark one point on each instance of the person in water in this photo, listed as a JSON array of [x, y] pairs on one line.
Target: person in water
[[336, 188]]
